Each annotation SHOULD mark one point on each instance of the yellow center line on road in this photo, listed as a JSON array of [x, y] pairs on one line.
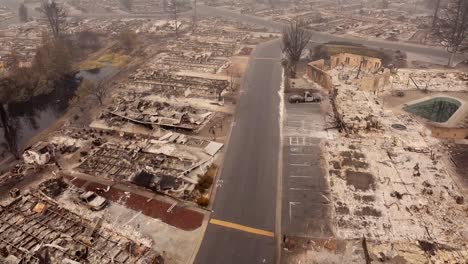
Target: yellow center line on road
[[241, 227], [263, 58]]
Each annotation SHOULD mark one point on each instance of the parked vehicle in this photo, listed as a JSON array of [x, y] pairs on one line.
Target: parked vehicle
[[306, 98], [92, 201]]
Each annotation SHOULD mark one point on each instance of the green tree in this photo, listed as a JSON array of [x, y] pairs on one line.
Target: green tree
[[53, 59], [16, 86]]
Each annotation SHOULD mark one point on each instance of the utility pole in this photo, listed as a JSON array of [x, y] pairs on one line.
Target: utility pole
[[175, 19], [436, 14], [173, 9], [194, 16]]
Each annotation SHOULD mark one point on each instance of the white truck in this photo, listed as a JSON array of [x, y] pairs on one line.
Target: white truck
[[308, 97]]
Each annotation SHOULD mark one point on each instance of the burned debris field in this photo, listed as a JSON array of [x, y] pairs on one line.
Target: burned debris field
[[220, 131], [124, 172]]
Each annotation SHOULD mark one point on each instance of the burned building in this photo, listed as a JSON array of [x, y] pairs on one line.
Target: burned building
[[153, 113], [34, 229]]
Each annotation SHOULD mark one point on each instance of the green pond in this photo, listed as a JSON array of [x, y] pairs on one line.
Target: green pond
[[438, 109]]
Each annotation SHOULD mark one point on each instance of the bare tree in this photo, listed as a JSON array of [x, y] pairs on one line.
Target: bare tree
[[436, 13], [294, 40], [23, 13], [99, 90], [173, 8], [55, 15], [452, 27]]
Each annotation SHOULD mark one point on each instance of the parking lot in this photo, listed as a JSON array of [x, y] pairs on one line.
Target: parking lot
[[305, 191]]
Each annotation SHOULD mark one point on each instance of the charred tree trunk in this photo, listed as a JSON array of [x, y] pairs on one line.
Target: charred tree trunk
[[293, 70], [451, 58]]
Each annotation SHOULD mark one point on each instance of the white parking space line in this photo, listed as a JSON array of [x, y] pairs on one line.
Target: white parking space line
[[302, 141], [297, 141], [291, 204]]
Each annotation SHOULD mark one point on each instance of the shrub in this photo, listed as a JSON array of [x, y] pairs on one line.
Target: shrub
[[203, 201], [205, 181], [212, 170]]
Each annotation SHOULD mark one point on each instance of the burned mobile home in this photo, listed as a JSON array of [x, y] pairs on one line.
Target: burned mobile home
[[154, 182], [396, 20], [158, 166], [153, 113], [35, 229], [168, 84], [165, 159]]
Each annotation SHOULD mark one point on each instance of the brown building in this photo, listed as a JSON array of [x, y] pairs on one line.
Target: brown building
[[372, 81], [316, 72]]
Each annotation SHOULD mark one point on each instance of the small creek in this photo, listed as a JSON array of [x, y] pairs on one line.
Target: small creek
[[32, 117]]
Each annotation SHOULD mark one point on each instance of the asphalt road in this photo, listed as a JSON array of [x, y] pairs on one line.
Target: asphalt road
[[246, 190], [424, 53]]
